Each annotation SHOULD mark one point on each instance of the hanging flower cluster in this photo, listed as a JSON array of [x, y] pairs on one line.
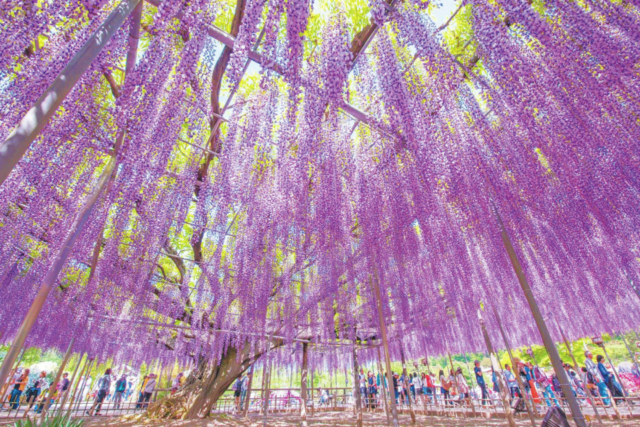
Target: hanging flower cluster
[[304, 212]]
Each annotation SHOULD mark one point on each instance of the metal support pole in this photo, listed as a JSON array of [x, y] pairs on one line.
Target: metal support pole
[[54, 386], [407, 388], [615, 372], [18, 142], [577, 368], [542, 327], [303, 384], [385, 342], [471, 375], [516, 370], [73, 378], [267, 391], [498, 371], [356, 389], [313, 404], [248, 396], [81, 383], [384, 388]]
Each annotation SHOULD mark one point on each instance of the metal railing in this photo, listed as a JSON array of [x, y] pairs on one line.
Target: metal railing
[[31, 405]]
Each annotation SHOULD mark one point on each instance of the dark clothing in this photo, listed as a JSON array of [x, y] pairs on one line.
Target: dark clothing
[[145, 398], [14, 401], [485, 393], [32, 394], [604, 372], [121, 385], [479, 378], [99, 399]]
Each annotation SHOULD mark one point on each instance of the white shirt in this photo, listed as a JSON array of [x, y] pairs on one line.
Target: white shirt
[[463, 387], [417, 382]]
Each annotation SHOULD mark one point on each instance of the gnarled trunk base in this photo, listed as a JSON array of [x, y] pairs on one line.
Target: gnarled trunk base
[[205, 385]]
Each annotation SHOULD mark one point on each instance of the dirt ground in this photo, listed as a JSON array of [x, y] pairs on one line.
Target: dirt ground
[[333, 419]]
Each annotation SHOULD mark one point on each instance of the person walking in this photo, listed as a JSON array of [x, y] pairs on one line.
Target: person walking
[[243, 390], [372, 390], [545, 385], [19, 385], [34, 391], [607, 377], [512, 383], [362, 384], [477, 371], [103, 386], [237, 391], [429, 387], [463, 387], [445, 386], [121, 387], [145, 379], [148, 390], [592, 368], [394, 377], [528, 370]]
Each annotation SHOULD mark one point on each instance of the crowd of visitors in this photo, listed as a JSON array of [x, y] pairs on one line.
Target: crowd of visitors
[[31, 391], [597, 383]]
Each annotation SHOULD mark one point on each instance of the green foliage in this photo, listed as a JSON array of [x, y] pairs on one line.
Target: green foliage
[[57, 421]]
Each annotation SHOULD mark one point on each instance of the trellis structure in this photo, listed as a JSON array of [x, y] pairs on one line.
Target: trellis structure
[[502, 141]]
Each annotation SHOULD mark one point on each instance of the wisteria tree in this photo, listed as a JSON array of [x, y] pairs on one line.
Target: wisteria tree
[[181, 205]]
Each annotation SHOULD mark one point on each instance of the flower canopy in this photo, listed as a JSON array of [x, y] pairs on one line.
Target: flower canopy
[[267, 161]]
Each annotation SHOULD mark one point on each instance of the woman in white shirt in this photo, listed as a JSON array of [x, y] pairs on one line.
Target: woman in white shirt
[[463, 387]]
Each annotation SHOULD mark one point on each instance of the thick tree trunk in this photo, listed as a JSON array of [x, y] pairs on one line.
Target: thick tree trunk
[[205, 385]]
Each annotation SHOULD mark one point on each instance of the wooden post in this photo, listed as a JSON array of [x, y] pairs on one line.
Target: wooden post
[[466, 362], [267, 383], [426, 357], [542, 327], [407, 388], [451, 362], [498, 371], [303, 385], [248, 396], [73, 378], [88, 366], [18, 142], [356, 389], [384, 388], [516, 370], [54, 386], [311, 387], [385, 342], [577, 368]]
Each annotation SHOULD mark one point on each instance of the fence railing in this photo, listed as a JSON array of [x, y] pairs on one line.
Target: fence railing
[[22, 405], [289, 400]]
